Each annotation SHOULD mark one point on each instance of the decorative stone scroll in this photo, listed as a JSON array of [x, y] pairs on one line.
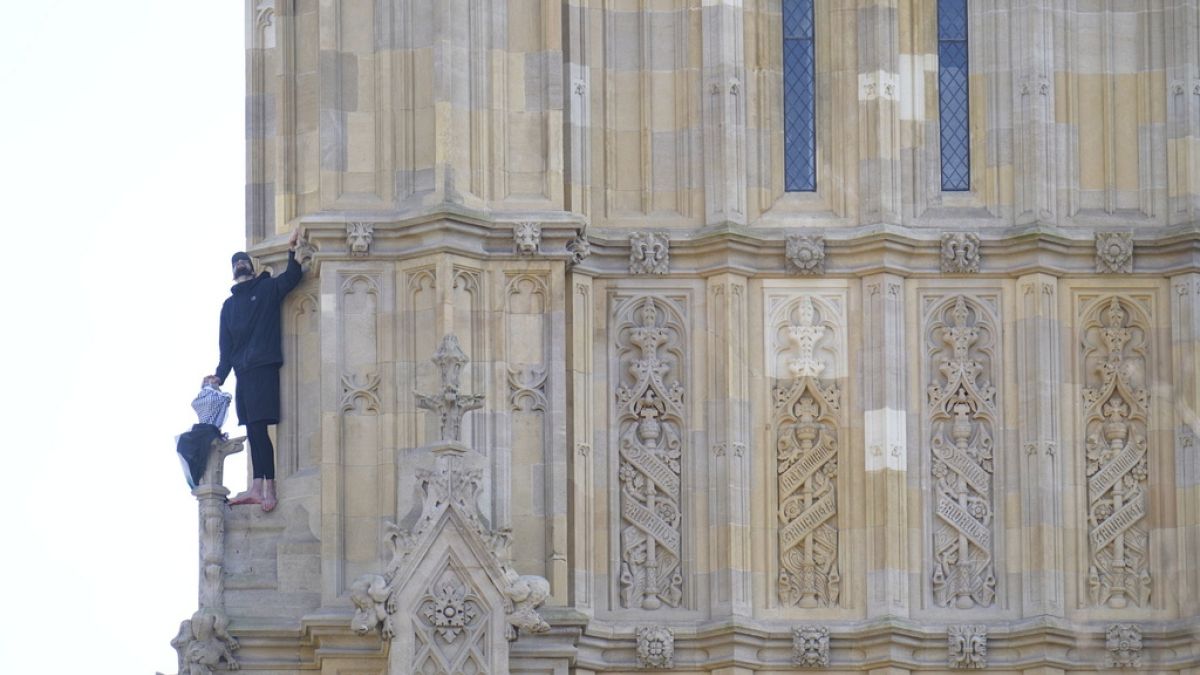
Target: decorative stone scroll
[[1116, 413], [961, 338], [810, 646], [960, 252], [649, 408], [806, 420], [527, 237], [967, 646], [1114, 252], [359, 237], [805, 255], [655, 647], [1124, 644], [649, 253]]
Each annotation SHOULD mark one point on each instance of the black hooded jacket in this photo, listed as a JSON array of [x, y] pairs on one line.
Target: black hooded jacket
[[250, 321]]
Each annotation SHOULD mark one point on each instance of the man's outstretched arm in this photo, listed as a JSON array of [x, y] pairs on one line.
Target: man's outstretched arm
[[291, 276]]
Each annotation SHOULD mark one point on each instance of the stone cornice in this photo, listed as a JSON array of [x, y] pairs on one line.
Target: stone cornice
[[753, 251]]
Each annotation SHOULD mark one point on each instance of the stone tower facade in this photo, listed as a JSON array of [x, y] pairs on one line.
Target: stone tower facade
[[706, 423]]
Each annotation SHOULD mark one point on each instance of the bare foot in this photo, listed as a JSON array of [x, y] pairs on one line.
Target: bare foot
[[252, 496], [268, 497]]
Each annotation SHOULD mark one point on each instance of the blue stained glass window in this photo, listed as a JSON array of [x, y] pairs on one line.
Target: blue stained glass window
[[955, 131], [799, 94]]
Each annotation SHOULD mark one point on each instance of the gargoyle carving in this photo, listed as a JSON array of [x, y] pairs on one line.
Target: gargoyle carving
[[527, 593], [369, 593], [204, 642]]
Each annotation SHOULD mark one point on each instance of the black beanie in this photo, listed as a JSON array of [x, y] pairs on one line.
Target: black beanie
[[240, 255]]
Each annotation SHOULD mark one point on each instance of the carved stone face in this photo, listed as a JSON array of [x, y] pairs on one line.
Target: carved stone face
[[527, 237], [359, 237]]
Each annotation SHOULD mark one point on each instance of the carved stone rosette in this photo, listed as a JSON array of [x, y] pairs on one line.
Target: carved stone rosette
[[1124, 644], [1116, 411], [806, 416], [960, 252], [805, 255], [810, 646], [451, 628], [962, 421], [967, 646], [649, 253], [649, 403], [1114, 252], [655, 647]]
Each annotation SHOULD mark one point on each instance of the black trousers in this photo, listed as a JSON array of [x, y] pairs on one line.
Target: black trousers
[[262, 453]]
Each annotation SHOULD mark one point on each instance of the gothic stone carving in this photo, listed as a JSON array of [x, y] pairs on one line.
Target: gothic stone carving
[[1114, 252], [649, 400], [204, 642], [579, 247], [810, 646], [451, 628], [526, 593], [449, 404], [960, 252], [807, 411], [527, 388], [805, 255], [962, 419], [1116, 411], [359, 237], [1124, 643], [649, 253], [527, 237], [655, 647], [369, 594], [968, 646]]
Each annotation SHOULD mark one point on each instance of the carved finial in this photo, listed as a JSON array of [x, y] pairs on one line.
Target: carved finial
[[449, 404]]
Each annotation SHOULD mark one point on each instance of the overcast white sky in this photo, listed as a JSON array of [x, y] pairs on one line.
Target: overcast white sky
[[122, 181]]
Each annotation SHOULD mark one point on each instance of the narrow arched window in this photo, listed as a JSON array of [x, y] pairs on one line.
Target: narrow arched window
[[799, 98], [953, 110]]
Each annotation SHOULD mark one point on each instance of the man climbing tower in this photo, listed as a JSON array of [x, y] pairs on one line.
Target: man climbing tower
[[251, 345]]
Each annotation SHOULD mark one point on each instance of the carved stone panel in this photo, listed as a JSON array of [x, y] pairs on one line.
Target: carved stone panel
[[649, 253], [960, 252], [1114, 252], [655, 647], [967, 646], [805, 255], [810, 646], [961, 336], [1124, 644], [806, 419], [1116, 413], [451, 628], [649, 338]]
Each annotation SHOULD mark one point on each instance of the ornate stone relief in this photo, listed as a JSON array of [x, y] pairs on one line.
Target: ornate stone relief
[[967, 645], [527, 237], [807, 415], [1124, 644], [449, 404], [1116, 413], [360, 393], [204, 643], [961, 339], [527, 388], [810, 646], [805, 255], [649, 408], [655, 647], [649, 253], [579, 247], [526, 592], [369, 594], [1114, 252], [451, 628], [960, 252], [359, 237]]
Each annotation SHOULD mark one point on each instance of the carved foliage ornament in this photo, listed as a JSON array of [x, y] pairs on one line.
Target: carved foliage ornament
[[810, 646], [967, 646], [649, 407], [1124, 644], [805, 255], [527, 237], [1114, 252], [1116, 411], [649, 253], [960, 252], [655, 647], [450, 628], [359, 237], [961, 339], [806, 413]]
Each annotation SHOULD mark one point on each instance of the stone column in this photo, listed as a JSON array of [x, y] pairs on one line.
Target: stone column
[[211, 494], [879, 122], [1185, 357], [1039, 378], [728, 413], [885, 430], [582, 404], [724, 112]]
